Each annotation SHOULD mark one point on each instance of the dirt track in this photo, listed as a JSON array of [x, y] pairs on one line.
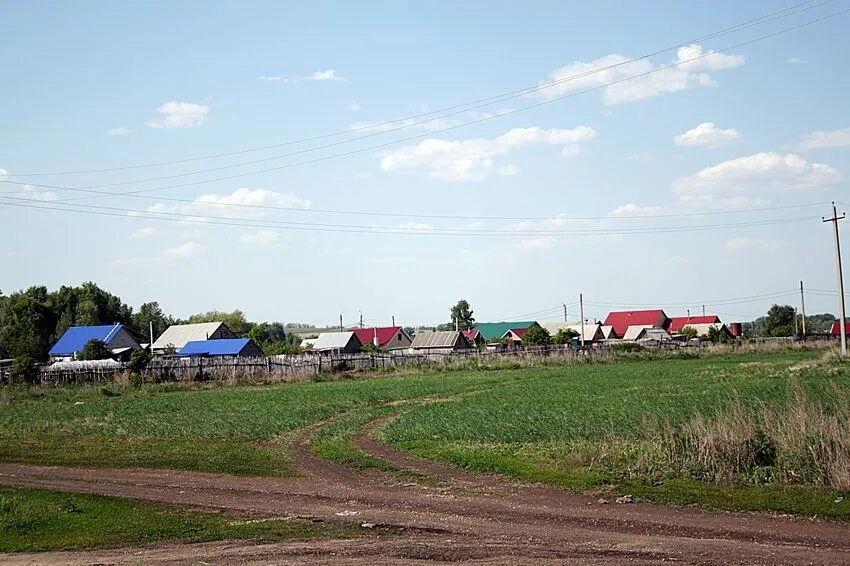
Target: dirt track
[[466, 518]]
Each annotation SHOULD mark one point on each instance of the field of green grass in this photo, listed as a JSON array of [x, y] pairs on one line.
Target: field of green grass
[[713, 431], [33, 520]]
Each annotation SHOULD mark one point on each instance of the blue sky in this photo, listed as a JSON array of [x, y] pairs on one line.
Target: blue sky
[[104, 85]]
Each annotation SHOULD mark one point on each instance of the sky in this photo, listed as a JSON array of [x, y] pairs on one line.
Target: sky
[[296, 161]]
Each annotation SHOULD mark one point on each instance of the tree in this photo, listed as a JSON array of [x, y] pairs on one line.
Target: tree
[[94, 350], [717, 336], [779, 321], [461, 314], [564, 336], [536, 335], [689, 332], [235, 320], [151, 313], [28, 323], [273, 340]]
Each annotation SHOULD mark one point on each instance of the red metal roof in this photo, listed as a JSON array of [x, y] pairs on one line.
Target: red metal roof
[[385, 334], [621, 320], [836, 328], [679, 322], [471, 335], [517, 332]]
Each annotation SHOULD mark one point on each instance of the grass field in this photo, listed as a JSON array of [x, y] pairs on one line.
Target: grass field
[[34, 520], [713, 431]]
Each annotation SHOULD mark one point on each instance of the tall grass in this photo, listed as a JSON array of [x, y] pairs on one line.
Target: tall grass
[[804, 441]]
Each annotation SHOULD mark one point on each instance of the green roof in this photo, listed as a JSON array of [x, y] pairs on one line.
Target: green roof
[[495, 330]]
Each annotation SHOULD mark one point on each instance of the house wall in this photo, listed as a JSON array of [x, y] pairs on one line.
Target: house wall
[[222, 332], [399, 341]]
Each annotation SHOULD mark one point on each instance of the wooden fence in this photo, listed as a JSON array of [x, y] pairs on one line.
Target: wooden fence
[[306, 366]]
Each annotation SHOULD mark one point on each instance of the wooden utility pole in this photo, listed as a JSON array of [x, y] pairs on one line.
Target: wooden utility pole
[[796, 326], [565, 311], [803, 308], [151, 329], [581, 309], [341, 329], [841, 314]]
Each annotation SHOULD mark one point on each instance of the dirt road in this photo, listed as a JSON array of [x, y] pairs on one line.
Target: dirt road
[[482, 520]]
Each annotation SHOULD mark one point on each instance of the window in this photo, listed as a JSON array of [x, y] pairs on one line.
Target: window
[[399, 336]]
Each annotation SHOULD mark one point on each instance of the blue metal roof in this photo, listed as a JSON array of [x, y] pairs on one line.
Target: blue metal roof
[[222, 347], [76, 337]]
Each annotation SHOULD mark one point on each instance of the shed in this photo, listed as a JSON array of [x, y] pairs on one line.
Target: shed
[[386, 337], [337, 342], [178, 335], [240, 347], [492, 331], [447, 341], [645, 332], [114, 336]]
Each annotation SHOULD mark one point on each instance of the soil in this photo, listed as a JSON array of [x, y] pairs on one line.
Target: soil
[[457, 517]]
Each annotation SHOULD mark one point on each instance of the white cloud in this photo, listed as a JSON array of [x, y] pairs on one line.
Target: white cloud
[[707, 135], [826, 138], [354, 106], [177, 114], [117, 132], [184, 250], [260, 238], [328, 75], [29, 192], [473, 159], [145, 232], [796, 61], [539, 243], [742, 244], [321, 75], [633, 209], [650, 80], [242, 203], [767, 171]]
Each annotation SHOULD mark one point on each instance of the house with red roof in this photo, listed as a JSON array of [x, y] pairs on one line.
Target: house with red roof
[[679, 322], [384, 337], [836, 329], [515, 334], [620, 321], [473, 337]]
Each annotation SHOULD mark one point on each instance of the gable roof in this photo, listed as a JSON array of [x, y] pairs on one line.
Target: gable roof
[[495, 330], [178, 335], [385, 334], [517, 333], [335, 341], [592, 330], [221, 347], [702, 329], [622, 320], [76, 337], [607, 332], [679, 322], [472, 335], [442, 339]]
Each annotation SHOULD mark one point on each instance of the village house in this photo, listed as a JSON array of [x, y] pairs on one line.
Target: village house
[[234, 347], [336, 343], [178, 335], [385, 337], [592, 330], [620, 321], [115, 336], [474, 337], [494, 331], [439, 342]]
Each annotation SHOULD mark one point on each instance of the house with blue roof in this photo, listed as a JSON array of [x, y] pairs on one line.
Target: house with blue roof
[[237, 347], [114, 336]]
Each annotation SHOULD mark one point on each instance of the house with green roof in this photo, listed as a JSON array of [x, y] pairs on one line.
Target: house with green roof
[[492, 331]]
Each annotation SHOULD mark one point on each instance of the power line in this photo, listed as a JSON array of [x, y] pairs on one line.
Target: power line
[[203, 219], [464, 107], [446, 129]]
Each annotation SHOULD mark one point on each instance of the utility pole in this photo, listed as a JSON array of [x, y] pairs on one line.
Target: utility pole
[[151, 329], [361, 318], [703, 310], [565, 311], [803, 308], [341, 329], [393, 320], [841, 314], [795, 322], [581, 307]]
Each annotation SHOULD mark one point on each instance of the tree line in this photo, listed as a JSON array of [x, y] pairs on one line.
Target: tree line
[[32, 320]]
